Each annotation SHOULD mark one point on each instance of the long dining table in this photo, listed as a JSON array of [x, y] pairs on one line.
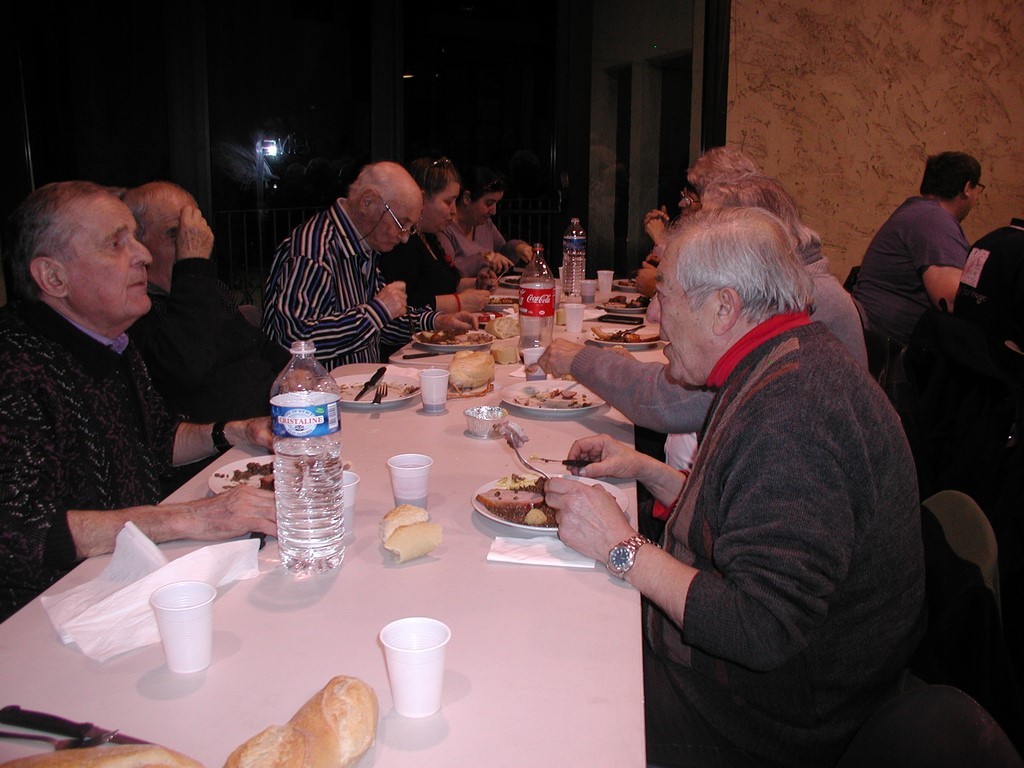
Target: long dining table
[[544, 666]]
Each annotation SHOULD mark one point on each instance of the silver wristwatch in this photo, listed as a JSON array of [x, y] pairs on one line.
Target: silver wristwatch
[[623, 555]]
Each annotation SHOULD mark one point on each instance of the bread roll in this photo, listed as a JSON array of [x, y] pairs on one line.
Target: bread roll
[[406, 514], [505, 355], [111, 756], [469, 370], [503, 327], [411, 541], [331, 730]]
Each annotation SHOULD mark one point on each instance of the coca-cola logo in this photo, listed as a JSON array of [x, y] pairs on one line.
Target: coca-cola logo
[[539, 298], [535, 302]]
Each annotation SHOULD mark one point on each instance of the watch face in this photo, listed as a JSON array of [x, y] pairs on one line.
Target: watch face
[[620, 558]]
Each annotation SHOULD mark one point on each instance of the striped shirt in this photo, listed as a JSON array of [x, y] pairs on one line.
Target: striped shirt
[[321, 288]]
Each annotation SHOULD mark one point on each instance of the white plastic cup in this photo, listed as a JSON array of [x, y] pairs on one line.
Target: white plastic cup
[[184, 615], [410, 476], [434, 390], [350, 483], [530, 356], [574, 317], [589, 291], [414, 649], [604, 280]]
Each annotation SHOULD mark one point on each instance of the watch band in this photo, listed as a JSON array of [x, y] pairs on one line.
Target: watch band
[[623, 555], [219, 441]]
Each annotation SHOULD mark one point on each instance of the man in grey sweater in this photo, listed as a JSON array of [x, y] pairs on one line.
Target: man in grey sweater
[[786, 595]]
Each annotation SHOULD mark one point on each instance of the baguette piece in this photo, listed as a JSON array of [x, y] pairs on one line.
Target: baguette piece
[[407, 514], [505, 355], [108, 756], [411, 541], [503, 327], [331, 730]]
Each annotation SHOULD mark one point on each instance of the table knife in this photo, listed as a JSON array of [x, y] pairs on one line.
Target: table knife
[[420, 354], [41, 721], [373, 381]]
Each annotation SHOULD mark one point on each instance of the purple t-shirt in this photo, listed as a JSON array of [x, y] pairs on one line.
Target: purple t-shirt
[[889, 287]]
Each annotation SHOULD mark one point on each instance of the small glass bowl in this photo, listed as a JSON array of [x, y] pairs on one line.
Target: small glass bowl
[[484, 421]]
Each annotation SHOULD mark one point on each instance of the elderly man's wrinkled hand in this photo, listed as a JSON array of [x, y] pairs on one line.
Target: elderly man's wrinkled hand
[[394, 299], [557, 358], [589, 519], [456, 321], [256, 431], [655, 224], [235, 512], [610, 457], [195, 238]]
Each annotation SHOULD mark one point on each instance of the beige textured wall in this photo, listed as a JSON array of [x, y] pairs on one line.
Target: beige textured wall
[[843, 101]]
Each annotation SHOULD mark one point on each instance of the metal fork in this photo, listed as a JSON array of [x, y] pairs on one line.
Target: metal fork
[[382, 392], [58, 744], [514, 441]]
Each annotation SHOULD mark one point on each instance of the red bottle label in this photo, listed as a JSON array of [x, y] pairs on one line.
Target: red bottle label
[[536, 302]]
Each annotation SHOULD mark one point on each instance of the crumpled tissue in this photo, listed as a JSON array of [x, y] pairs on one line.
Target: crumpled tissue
[[538, 550], [111, 614]]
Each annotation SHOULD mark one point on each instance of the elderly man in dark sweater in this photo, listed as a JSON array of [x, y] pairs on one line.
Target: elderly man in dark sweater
[[84, 437], [786, 595]]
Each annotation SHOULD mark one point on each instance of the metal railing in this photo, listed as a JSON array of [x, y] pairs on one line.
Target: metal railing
[[246, 239]]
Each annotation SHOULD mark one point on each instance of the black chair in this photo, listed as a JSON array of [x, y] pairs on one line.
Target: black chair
[[932, 726]]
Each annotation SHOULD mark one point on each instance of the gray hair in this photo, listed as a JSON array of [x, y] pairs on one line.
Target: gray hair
[[759, 191], [39, 226], [139, 199], [748, 250], [719, 164]]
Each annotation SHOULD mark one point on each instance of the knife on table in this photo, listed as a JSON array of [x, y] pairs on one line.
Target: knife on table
[[373, 381], [420, 354], [41, 721]]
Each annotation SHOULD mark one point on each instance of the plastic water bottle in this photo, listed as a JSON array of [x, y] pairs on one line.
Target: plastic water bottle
[[308, 470], [536, 302], [574, 258]]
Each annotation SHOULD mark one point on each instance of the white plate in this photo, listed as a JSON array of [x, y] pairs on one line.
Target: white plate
[[619, 309], [453, 348], [528, 391], [626, 286], [220, 480], [629, 345], [510, 281], [620, 498], [400, 390]]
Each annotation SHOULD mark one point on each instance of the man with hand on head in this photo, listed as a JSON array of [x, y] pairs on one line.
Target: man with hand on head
[[206, 360], [325, 284], [787, 592], [84, 436]]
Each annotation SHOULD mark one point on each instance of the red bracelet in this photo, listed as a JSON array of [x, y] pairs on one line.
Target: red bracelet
[[458, 302]]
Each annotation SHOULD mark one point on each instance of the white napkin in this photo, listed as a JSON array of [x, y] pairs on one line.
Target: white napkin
[[404, 371], [111, 614], [538, 550], [519, 373]]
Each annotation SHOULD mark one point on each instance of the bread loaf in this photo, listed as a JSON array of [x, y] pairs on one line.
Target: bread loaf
[[333, 729], [406, 534], [505, 355], [112, 756], [469, 370], [503, 327]]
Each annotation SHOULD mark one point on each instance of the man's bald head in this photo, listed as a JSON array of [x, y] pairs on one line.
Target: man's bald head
[[381, 184]]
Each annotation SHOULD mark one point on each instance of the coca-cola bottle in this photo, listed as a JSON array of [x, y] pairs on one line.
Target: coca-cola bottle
[[536, 302]]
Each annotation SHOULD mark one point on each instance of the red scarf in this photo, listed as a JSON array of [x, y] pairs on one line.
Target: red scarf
[[754, 338]]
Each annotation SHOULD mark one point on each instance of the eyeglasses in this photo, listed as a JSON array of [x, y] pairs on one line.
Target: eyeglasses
[[689, 199], [410, 230], [980, 187]]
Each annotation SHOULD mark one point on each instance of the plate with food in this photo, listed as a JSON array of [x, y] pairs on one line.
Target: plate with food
[[627, 338], [501, 303], [401, 389], [452, 341], [552, 397], [518, 501], [629, 286], [625, 305], [509, 281], [257, 471]]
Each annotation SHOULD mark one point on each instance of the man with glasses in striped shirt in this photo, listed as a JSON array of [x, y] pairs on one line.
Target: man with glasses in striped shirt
[[325, 284]]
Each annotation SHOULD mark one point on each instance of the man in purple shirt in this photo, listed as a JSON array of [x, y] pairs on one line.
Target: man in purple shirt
[[915, 259]]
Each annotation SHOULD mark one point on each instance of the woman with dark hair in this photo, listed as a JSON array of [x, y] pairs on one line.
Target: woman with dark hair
[[431, 278], [471, 239]]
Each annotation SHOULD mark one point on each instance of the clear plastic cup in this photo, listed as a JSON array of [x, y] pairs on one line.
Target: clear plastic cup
[[184, 615], [415, 652]]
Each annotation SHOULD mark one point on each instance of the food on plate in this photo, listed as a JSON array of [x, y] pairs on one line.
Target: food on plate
[[503, 301], [504, 327], [625, 336], [267, 482], [469, 370], [335, 728], [559, 397], [397, 388], [407, 533], [252, 469], [636, 302], [108, 756], [505, 355], [454, 338], [519, 499]]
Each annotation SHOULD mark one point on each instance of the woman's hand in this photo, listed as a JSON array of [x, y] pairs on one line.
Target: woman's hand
[[497, 262], [525, 252], [474, 300], [486, 280], [655, 223]]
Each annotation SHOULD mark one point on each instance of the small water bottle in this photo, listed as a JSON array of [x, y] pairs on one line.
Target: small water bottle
[[308, 470], [536, 302], [574, 258]]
